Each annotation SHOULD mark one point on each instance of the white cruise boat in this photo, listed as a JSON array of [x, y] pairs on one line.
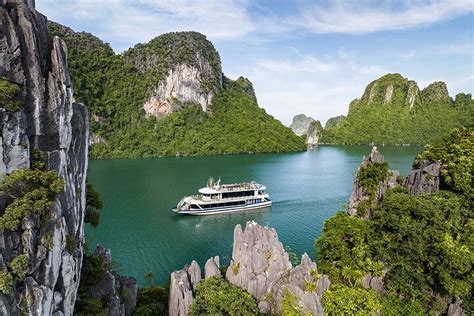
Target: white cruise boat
[[218, 198]]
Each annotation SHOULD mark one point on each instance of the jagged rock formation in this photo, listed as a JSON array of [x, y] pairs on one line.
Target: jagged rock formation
[[424, 179], [211, 268], [374, 283], [120, 292], [52, 123], [182, 285], [383, 91], [258, 259], [261, 266], [304, 284], [193, 75], [314, 133], [333, 121], [300, 124], [436, 93], [455, 309], [358, 193]]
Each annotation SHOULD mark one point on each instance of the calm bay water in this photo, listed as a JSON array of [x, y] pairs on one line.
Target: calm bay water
[[144, 235]]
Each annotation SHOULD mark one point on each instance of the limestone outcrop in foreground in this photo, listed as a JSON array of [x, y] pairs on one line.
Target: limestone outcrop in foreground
[[261, 266], [48, 123], [359, 194]]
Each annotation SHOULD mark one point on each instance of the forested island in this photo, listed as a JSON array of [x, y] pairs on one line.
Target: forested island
[[393, 110], [166, 98]]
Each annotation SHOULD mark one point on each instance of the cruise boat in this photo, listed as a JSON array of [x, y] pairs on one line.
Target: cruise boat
[[218, 198]]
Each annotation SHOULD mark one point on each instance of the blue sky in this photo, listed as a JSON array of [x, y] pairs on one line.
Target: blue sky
[[302, 56]]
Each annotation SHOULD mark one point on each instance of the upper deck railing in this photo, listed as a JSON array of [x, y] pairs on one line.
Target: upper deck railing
[[237, 187], [216, 199]]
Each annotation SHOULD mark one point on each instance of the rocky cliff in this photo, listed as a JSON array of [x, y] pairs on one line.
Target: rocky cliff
[[261, 266], [119, 292], [191, 66], [313, 134], [300, 124], [365, 197], [51, 124]]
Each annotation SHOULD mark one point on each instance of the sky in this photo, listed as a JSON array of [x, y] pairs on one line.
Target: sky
[[302, 56]]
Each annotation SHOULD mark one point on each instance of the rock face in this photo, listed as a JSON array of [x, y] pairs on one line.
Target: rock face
[[383, 91], [358, 195], [333, 121], [119, 291], [304, 284], [436, 92], [258, 259], [455, 309], [314, 133], [300, 124], [182, 285], [261, 266], [374, 283], [424, 179], [184, 83], [189, 68], [211, 268], [52, 123]]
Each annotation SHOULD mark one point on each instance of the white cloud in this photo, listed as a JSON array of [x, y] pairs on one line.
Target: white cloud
[[308, 63], [357, 17], [310, 85], [125, 23], [407, 55], [456, 49]]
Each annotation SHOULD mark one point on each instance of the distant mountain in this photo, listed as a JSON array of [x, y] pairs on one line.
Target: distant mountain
[[300, 124], [393, 110], [167, 97]]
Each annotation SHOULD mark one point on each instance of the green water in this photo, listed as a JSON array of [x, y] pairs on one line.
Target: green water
[[144, 235]]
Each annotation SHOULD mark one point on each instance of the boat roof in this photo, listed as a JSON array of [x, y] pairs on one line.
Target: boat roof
[[215, 189], [207, 190]]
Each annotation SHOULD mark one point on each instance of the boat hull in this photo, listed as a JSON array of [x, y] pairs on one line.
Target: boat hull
[[225, 210]]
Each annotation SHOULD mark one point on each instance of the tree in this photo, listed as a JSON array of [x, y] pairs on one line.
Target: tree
[[344, 300], [216, 296], [93, 206], [343, 249]]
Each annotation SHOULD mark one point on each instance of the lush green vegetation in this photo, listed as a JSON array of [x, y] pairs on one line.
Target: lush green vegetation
[[152, 300], [340, 299], [28, 192], [19, 265], [115, 87], [371, 175], [456, 153], [93, 206], [6, 282], [216, 296], [343, 250], [421, 245], [93, 270], [372, 120], [10, 95]]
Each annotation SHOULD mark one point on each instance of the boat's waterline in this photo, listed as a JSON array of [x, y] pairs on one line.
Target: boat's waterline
[[225, 210]]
